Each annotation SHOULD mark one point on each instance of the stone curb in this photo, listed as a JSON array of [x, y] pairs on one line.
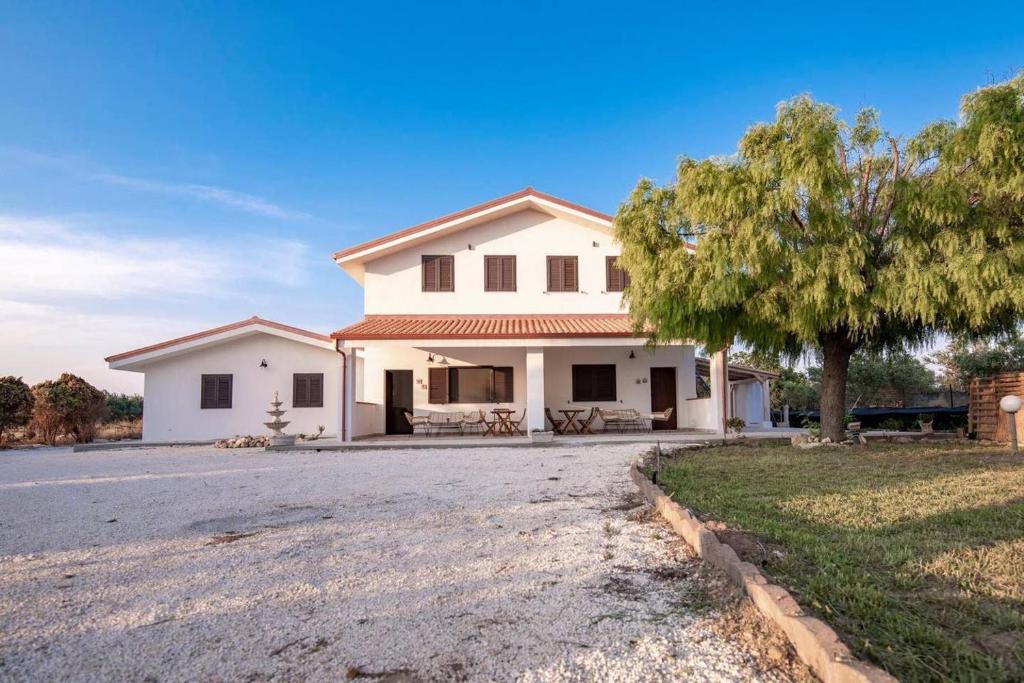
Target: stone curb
[[815, 642]]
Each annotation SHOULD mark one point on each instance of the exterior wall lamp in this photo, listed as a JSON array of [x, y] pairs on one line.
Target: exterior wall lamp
[[632, 356], [263, 363]]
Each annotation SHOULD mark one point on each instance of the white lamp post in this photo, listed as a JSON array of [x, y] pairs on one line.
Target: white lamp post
[[1011, 404]]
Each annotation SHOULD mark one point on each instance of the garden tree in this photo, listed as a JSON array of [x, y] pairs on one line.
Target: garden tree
[[964, 359], [16, 403], [819, 236], [67, 405]]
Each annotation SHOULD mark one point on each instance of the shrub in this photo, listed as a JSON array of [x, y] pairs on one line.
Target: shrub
[[67, 405], [16, 403], [891, 424], [735, 424], [121, 407]]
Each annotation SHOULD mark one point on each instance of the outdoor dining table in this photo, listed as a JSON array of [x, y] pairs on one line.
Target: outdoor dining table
[[504, 422], [570, 419]]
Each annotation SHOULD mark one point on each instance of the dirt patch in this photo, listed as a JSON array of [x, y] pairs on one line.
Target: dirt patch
[[742, 623], [229, 537]]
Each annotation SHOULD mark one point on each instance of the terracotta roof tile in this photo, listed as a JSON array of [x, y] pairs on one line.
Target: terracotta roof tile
[[488, 326]]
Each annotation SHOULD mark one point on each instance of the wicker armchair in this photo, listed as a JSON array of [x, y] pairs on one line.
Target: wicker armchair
[[421, 421], [474, 420]]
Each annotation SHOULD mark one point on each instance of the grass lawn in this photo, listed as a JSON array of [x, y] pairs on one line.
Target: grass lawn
[[913, 553]]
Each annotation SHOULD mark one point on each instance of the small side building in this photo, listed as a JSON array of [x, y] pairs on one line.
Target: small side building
[[218, 383]]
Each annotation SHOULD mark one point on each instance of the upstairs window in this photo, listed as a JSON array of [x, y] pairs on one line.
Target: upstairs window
[[215, 391], [593, 383], [499, 273], [438, 273], [308, 390], [563, 274], [617, 278]]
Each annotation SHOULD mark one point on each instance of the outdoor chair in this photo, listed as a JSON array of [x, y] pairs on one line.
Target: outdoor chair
[[621, 419], [515, 422], [663, 416], [474, 420], [421, 421], [586, 423], [556, 424]]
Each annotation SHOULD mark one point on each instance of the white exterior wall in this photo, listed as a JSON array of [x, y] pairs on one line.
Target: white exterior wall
[[173, 389], [393, 283], [748, 402], [557, 377]]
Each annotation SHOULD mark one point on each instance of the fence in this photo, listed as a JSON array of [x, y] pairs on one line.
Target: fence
[[985, 419]]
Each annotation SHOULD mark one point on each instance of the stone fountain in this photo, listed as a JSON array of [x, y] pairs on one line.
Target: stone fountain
[[277, 425]]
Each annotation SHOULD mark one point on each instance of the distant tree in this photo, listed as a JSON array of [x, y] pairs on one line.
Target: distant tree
[[67, 405], [123, 406], [964, 359], [872, 371], [16, 403], [819, 236]]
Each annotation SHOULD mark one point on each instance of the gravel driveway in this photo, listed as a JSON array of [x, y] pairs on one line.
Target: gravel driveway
[[492, 564]]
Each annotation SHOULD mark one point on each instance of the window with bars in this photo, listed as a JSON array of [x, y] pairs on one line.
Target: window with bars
[[617, 279], [215, 391], [499, 273], [308, 390], [563, 274], [438, 273], [593, 383]]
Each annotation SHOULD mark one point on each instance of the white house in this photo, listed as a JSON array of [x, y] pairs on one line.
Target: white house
[[515, 303]]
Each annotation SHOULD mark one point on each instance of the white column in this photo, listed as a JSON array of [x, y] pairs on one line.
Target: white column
[[719, 380], [349, 392], [766, 397], [535, 389]]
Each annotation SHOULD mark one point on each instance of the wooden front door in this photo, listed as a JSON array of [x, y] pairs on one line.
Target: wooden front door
[[663, 395], [397, 400]]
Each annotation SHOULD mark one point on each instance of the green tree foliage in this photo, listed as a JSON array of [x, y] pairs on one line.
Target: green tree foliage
[[16, 403], [123, 406], [964, 359], [871, 371], [818, 235], [67, 405]]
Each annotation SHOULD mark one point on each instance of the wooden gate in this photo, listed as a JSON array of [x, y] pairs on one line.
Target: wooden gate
[[984, 417]]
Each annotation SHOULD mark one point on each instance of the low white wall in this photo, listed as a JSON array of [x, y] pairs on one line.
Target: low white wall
[[172, 389], [748, 402], [700, 415], [368, 419]]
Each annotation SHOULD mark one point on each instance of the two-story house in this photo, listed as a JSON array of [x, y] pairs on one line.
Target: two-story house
[[515, 303]]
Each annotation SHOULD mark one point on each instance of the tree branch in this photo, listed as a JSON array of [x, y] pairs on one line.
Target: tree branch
[[796, 219]]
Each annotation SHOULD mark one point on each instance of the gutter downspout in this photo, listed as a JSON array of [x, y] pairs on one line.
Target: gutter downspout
[[344, 390]]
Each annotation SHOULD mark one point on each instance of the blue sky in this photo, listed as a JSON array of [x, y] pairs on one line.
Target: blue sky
[[169, 167]]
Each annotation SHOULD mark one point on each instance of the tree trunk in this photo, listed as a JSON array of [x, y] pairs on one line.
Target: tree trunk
[[837, 349]]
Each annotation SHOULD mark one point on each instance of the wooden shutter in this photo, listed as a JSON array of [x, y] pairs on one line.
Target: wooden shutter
[[492, 273], [593, 383], [300, 391], [316, 391], [429, 273], [563, 274], [617, 278], [503, 385], [446, 273], [437, 390], [499, 273], [555, 274], [215, 391]]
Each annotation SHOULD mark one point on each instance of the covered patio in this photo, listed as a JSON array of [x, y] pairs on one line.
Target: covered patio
[[508, 376]]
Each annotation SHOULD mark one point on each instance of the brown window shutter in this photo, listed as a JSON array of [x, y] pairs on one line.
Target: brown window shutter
[[224, 391], [555, 274], [316, 391], [570, 283], [209, 392], [492, 271], [437, 391], [445, 274], [508, 273], [429, 273], [300, 391], [503, 385], [618, 279]]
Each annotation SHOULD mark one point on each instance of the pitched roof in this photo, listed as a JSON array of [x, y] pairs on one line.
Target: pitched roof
[[488, 326], [170, 344], [493, 204]]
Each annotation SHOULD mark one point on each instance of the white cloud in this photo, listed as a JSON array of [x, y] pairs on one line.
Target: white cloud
[[43, 258], [230, 198]]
